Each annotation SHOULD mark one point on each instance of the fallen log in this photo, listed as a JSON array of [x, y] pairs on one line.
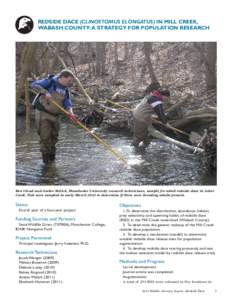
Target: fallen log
[[171, 111], [185, 122], [157, 134], [206, 110]]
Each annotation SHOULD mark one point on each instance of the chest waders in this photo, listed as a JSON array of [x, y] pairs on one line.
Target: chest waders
[[141, 121], [48, 125]]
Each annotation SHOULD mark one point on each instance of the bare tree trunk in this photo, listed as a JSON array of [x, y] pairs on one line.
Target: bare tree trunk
[[125, 51], [211, 57], [147, 52], [55, 63], [42, 61], [116, 56], [27, 105], [100, 58], [208, 55], [90, 56], [26, 63], [116, 53]]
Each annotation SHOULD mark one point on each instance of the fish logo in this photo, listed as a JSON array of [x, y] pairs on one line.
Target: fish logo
[[24, 24]]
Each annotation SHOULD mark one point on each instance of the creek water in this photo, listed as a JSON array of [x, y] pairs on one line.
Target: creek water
[[81, 161]]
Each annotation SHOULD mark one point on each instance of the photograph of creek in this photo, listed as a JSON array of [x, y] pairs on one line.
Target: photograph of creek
[[132, 113]]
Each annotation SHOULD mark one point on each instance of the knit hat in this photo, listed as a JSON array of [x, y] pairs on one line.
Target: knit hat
[[153, 86]]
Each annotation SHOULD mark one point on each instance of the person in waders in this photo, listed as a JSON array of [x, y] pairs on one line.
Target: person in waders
[[47, 115], [142, 114]]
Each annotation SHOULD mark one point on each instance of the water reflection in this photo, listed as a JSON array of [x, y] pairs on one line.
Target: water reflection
[[81, 161]]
